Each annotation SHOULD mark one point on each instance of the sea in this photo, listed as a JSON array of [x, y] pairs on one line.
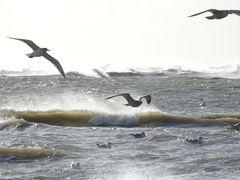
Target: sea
[[50, 126]]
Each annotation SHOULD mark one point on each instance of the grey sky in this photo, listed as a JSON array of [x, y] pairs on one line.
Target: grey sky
[[83, 34]]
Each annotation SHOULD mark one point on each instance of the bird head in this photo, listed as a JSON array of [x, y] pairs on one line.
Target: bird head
[[147, 98], [45, 49]]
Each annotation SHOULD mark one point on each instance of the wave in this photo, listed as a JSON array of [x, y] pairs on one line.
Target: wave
[[23, 154], [229, 71], [23, 72], [14, 124], [88, 119]]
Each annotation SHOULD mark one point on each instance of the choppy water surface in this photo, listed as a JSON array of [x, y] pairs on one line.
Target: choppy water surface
[[50, 127]]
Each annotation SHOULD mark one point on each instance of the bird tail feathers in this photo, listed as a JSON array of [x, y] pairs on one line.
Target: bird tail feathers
[[29, 55]]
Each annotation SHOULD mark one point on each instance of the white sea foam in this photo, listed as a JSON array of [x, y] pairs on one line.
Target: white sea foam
[[71, 101], [221, 70]]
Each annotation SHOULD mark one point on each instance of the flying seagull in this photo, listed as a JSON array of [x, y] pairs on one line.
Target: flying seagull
[[139, 135], [218, 14], [37, 52], [132, 102], [195, 141]]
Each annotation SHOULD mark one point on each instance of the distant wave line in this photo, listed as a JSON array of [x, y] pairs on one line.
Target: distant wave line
[[231, 70]]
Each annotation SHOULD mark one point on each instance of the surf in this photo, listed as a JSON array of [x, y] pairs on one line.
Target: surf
[[83, 118]]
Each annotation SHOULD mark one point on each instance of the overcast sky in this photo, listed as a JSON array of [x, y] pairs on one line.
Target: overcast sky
[[83, 34]]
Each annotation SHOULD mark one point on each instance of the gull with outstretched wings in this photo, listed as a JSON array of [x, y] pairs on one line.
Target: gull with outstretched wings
[[132, 102], [37, 52], [218, 14]]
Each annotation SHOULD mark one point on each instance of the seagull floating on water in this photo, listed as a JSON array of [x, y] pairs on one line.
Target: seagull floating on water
[[195, 141], [74, 165], [203, 103], [139, 135], [132, 102], [107, 146], [37, 52], [218, 14]]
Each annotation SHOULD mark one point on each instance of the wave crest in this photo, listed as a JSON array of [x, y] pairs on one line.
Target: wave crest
[[114, 120], [88, 119]]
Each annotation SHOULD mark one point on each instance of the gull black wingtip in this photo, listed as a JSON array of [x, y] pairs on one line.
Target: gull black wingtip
[[12, 38], [9, 37]]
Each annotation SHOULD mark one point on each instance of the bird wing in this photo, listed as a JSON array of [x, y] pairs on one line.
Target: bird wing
[[237, 12], [209, 10], [125, 95], [148, 98], [28, 42], [55, 63]]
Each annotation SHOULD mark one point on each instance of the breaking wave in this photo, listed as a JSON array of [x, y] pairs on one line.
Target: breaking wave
[[88, 119], [229, 71]]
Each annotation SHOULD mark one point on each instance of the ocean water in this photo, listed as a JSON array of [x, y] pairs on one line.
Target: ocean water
[[50, 126]]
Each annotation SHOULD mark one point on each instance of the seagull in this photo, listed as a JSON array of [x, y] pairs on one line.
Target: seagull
[[37, 52], [74, 165], [234, 127], [132, 102], [218, 14], [139, 135], [106, 146], [203, 103], [195, 141]]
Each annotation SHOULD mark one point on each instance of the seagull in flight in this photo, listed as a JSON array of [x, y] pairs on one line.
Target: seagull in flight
[[37, 52], [218, 14], [132, 102]]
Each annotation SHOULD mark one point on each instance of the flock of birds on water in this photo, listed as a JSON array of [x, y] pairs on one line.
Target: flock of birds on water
[[38, 52]]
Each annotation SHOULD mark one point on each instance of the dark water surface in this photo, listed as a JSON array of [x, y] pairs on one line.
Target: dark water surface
[[50, 127]]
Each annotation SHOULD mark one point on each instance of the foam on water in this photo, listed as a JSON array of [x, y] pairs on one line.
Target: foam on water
[[71, 101], [219, 70]]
